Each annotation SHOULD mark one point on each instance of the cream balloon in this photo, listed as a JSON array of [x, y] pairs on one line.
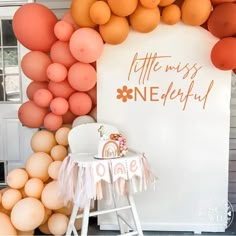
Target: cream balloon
[[54, 168], [6, 227], [27, 214], [82, 120], [10, 198], [57, 223], [17, 178], [34, 187]]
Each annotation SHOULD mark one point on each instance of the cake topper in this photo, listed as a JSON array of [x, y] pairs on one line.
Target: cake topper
[[101, 131]]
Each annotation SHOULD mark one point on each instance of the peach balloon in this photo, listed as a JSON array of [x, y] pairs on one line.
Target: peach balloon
[[17, 178], [100, 12], [80, 103], [31, 115], [10, 198], [82, 76], [57, 223], [122, 7], [61, 136], [34, 187], [34, 64], [115, 31], [50, 197], [68, 117], [33, 25], [52, 122], [6, 227], [37, 165], [42, 97], [56, 72], [93, 94], [68, 18], [86, 45], [48, 212], [171, 14], [33, 87], [61, 89], [59, 152], [43, 141], [60, 52], [63, 30], [54, 168], [59, 106], [27, 214], [44, 228], [85, 119]]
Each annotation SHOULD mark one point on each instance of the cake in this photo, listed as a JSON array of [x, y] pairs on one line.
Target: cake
[[112, 146]]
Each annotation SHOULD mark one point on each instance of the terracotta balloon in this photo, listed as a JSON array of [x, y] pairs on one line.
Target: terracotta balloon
[[68, 117], [171, 14], [33, 87], [80, 103], [63, 30], [60, 52], [149, 3], [10, 198], [61, 136], [68, 18], [164, 3], [79, 10], [61, 89], [27, 214], [33, 26], [223, 54], [54, 168], [216, 2], [195, 13], [59, 152], [6, 227], [82, 76], [43, 141], [42, 97], [31, 115], [34, 187], [115, 31], [34, 64], [82, 120], [56, 72], [37, 165], [50, 197], [86, 45], [59, 106], [17, 178], [144, 20], [100, 12], [122, 7], [57, 223], [52, 122], [47, 214], [222, 21], [93, 94]]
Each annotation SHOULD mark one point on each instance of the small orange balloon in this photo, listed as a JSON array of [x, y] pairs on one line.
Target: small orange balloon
[[100, 12], [63, 30], [10, 198], [58, 223], [56, 72], [150, 3], [59, 106], [42, 97], [171, 14], [61, 136], [54, 168], [34, 187], [164, 3], [52, 122], [59, 152], [122, 7], [33, 87]]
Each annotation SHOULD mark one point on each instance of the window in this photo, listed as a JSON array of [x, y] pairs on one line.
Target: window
[[10, 86]]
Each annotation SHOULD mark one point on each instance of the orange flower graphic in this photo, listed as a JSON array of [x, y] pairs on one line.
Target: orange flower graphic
[[124, 93]]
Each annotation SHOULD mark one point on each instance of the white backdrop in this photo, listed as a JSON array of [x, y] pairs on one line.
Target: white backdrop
[[177, 112]]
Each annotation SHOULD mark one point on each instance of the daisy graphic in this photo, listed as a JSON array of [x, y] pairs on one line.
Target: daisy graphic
[[124, 93]]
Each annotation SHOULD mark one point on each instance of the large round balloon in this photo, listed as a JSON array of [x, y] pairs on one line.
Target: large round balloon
[[34, 64], [86, 45], [33, 25], [27, 214], [82, 76]]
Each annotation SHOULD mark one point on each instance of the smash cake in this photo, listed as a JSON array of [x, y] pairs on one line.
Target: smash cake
[[111, 146]]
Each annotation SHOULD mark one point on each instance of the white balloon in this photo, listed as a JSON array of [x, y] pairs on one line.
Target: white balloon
[[82, 120]]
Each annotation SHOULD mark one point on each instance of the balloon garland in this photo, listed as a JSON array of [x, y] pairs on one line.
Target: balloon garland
[[61, 65]]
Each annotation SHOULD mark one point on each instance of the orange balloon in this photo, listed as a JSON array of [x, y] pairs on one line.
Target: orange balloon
[[80, 12], [43, 141], [59, 106], [93, 94], [86, 45], [145, 20], [63, 30], [10, 198], [60, 52], [59, 152], [54, 168], [222, 21], [122, 7], [33, 87], [42, 97], [115, 31], [61, 136], [33, 26], [216, 2], [100, 12], [82, 77], [6, 226], [149, 3], [34, 187], [34, 65], [58, 223], [171, 14], [37, 165], [61, 89], [52, 122], [31, 115], [164, 3], [80, 103], [68, 18], [69, 117], [56, 72], [17, 178], [223, 54]]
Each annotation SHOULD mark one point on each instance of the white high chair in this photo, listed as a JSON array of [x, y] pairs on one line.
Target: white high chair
[[84, 139]]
